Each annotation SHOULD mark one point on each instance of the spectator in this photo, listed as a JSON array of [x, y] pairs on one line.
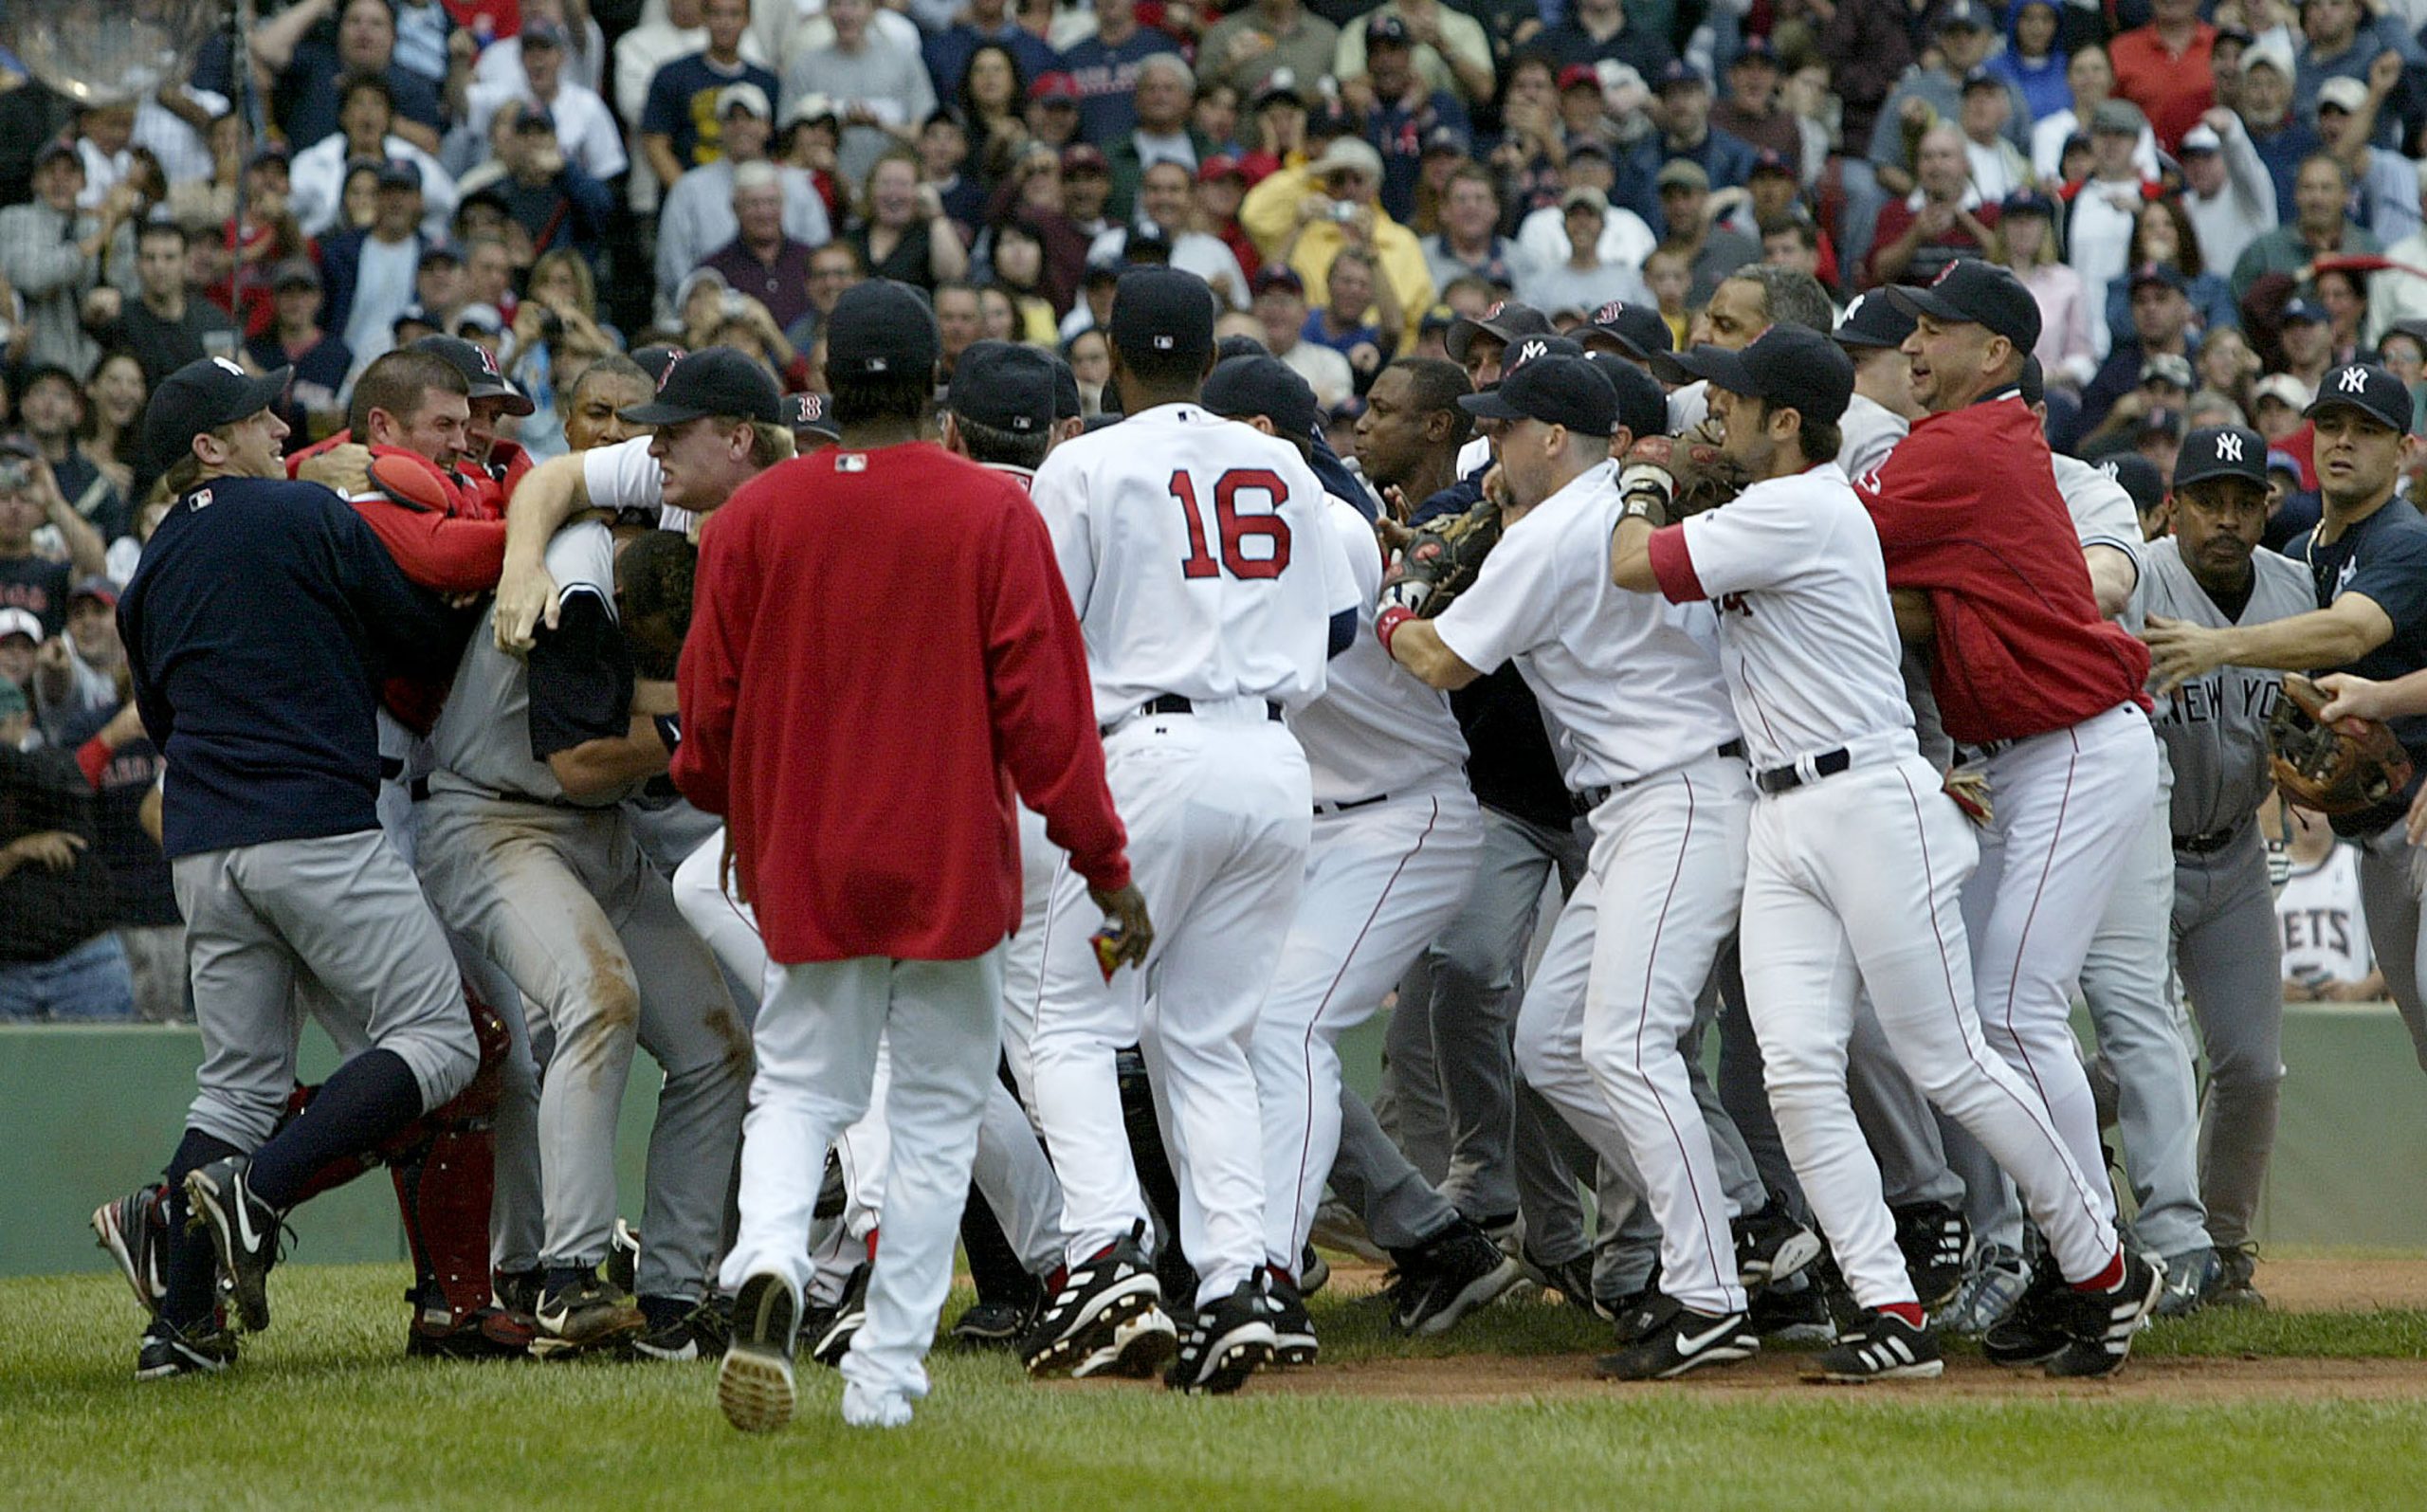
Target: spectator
[[58, 959], [2161, 327], [1222, 188], [369, 274], [50, 404], [557, 335], [308, 70], [1687, 135], [2227, 365], [310, 408], [1162, 133], [112, 435], [1668, 273], [2162, 234], [761, 261], [423, 28], [1214, 116], [683, 117], [102, 139], [978, 23], [2227, 193], [1533, 142], [77, 674], [2307, 335], [549, 195], [1167, 206], [1943, 218], [366, 131], [1405, 112], [1089, 355], [2343, 297], [1017, 258], [1452, 52], [1626, 240], [1598, 30], [2027, 234], [2162, 68], [174, 123], [879, 86], [1583, 281], [959, 321], [906, 236], [1997, 167], [1086, 188], [1281, 309], [1350, 289], [2155, 401], [991, 94], [32, 580], [2283, 140], [2031, 60], [832, 268], [162, 326], [2384, 184], [811, 142], [585, 45], [2106, 207], [1793, 242], [1244, 48], [1344, 214], [2090, 79], [1927, 95], [1753, 112], [1711, 253], [698, 216], [20, 639], [441, 286], [586, 130], [1053, 116], [2320, 227], [2339, 40], [54, 256], [1584, 114], [1469, 238], [1869, 50]]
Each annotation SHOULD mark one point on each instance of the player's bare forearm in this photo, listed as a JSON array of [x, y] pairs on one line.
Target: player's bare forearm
[[2371, 699], [1417, 645], [1631, 557], [2113, 577], [596, 767], [2349, 628]]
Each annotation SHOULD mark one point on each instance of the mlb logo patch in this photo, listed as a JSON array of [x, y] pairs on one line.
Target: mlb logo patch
[[852, 462]]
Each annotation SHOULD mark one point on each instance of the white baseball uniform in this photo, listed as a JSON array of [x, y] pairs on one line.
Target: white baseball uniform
[[1393, 852], [1631, 688], [1855, 863], [1206, 574]]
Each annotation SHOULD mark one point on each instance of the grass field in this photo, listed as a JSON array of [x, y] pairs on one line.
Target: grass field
[[2318, 1409]]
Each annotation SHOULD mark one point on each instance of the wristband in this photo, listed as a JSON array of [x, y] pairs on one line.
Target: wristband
[[669, 729], [1387, 624]]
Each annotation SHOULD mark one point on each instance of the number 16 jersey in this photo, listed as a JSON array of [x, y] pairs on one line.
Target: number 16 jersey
[[1199, 557]]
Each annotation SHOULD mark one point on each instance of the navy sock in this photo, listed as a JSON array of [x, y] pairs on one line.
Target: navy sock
[[191, 1264], [368, 1099]]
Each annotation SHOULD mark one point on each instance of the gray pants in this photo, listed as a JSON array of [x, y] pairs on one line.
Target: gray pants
[[1401, 1210], [2389, 889], [566, 902], [343, 910], [2229, 955]]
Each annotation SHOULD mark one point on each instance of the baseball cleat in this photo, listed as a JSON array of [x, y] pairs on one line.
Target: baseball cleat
[[2237, 1264], [834, 1328], [1994, 1278], [491, 1332], [991, 1325], [583, 1313], [132, 1230], [2104, 1321], [1882, 1348], [1108, 1289], [1136, 1350], [2190, 1277], [243, 1228], [1314, 1272], [1679, 1339], [1798, 1317], [1293, 1332], [1226, 1342], [1771, 1246], [2034, 1329], [168, 1351], [1572, 1278], [680, 1328], [1457, 1272], [623, 1257], [1933, 1238], [754, 1384]]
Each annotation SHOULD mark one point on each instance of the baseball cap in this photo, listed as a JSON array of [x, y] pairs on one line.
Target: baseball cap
[[2275, 55], [2033, 383], [1679, 172], [748, 96], [479, 367], [297, 272], [1769, 160], [1872, 320], [411, 315], [1221, 165], [2157, 273], [1346, 154], [2341, 93], [717, 381], [1083, 157], [2284, 389], [1553, 387], [1450, 139], [814, 413], [1969, 290], [1635, 330], [14, 621], [1279, 276], [442, 250], [811, 107], [1755, 49], [533, 118], [2302, 312], [1982, 79], [882, 326], [1055, 88], [2167, 367], [2029, 202], [1506, 321], [97, 588], [270, 152], [1003, 386], [1585, 194], [1439, 318], [2140, 477], [1788, 365], [56, 148], [201, 397], [1281, 84], [1264, 386], [540, 32], [1387, 30], [396, 174], [655, 360], [2119, 115], [1578, 76], [482, 316], [1162, 311], [1589, 147], [1679, 72], [1065, 388], [2202, 138], [2367, 388], [1963, 13], [1643, 407], [2220, 452]]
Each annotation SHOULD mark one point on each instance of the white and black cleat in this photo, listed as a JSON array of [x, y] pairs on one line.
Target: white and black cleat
[[1676, 1340], [243, 1229], [1229, 1341], [754, 1384], [1114, 1287]]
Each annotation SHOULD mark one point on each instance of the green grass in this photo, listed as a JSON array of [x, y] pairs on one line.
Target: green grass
[[325, 1412]]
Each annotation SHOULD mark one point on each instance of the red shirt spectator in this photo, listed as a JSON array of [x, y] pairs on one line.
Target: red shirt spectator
[[2170, 83]]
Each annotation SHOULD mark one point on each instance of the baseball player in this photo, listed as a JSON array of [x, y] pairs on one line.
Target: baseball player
[[1212, 589], [2367, 564], [1881, 411], [1669, 794], [254, 634], [2212, 572], [1851, 842], [984, 690]]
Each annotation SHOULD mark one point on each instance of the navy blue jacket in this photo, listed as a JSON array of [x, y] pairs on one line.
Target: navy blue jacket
[[258, 627]]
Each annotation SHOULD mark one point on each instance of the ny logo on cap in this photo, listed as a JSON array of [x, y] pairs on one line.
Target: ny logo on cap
[[2354, 380], [1530, 351], [228, 363], [1609, 312], [2228, 448]]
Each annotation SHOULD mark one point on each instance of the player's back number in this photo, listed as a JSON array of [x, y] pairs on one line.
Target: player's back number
[[1260, 486]]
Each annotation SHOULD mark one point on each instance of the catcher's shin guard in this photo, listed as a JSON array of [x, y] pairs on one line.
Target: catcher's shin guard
[[446, 1177]]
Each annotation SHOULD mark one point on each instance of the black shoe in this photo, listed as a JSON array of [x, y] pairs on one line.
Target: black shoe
[[830, 1340], [1681, 1340], [168, 1351], [1882, 1348], [1314, 1272], [624, 1258], [243, 1229], [680, 1328], [991, 1325], [2236, 1266], [517, 1291], [1111, 1288], [579, 1312], [1933, 1238], [132, 1229], [1632, 1316], [1293, 1332], [754, 1384], [1797, 1316], [1226, 1342], [2102, 1322], [1571, 1279], [1457, 1271], [2034, 1331], [1771, 1246]]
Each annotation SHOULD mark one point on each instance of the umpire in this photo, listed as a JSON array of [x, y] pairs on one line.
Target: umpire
[[257, 628]]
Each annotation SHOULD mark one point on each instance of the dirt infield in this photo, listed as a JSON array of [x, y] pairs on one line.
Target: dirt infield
[[2308, 1285]]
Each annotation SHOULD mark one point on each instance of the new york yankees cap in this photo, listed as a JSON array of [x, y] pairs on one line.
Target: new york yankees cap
[[1004, 387], [1506, 321], [716, 381], [1969, 290], [1873, 321], [2221, 451], [882, 328], [1261, 385], [2138, 477], [1788, 365], [2367, 388], [479, 369], [1163, 313], [201, 397], [1553, 387], [1636, 329]]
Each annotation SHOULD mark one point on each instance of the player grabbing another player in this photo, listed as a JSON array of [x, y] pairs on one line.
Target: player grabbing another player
[[1852, 843], [801, 673]]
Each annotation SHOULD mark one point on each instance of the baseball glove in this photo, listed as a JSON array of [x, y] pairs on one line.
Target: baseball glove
[[2332, 769], [1689, 471], [1443, 560]]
